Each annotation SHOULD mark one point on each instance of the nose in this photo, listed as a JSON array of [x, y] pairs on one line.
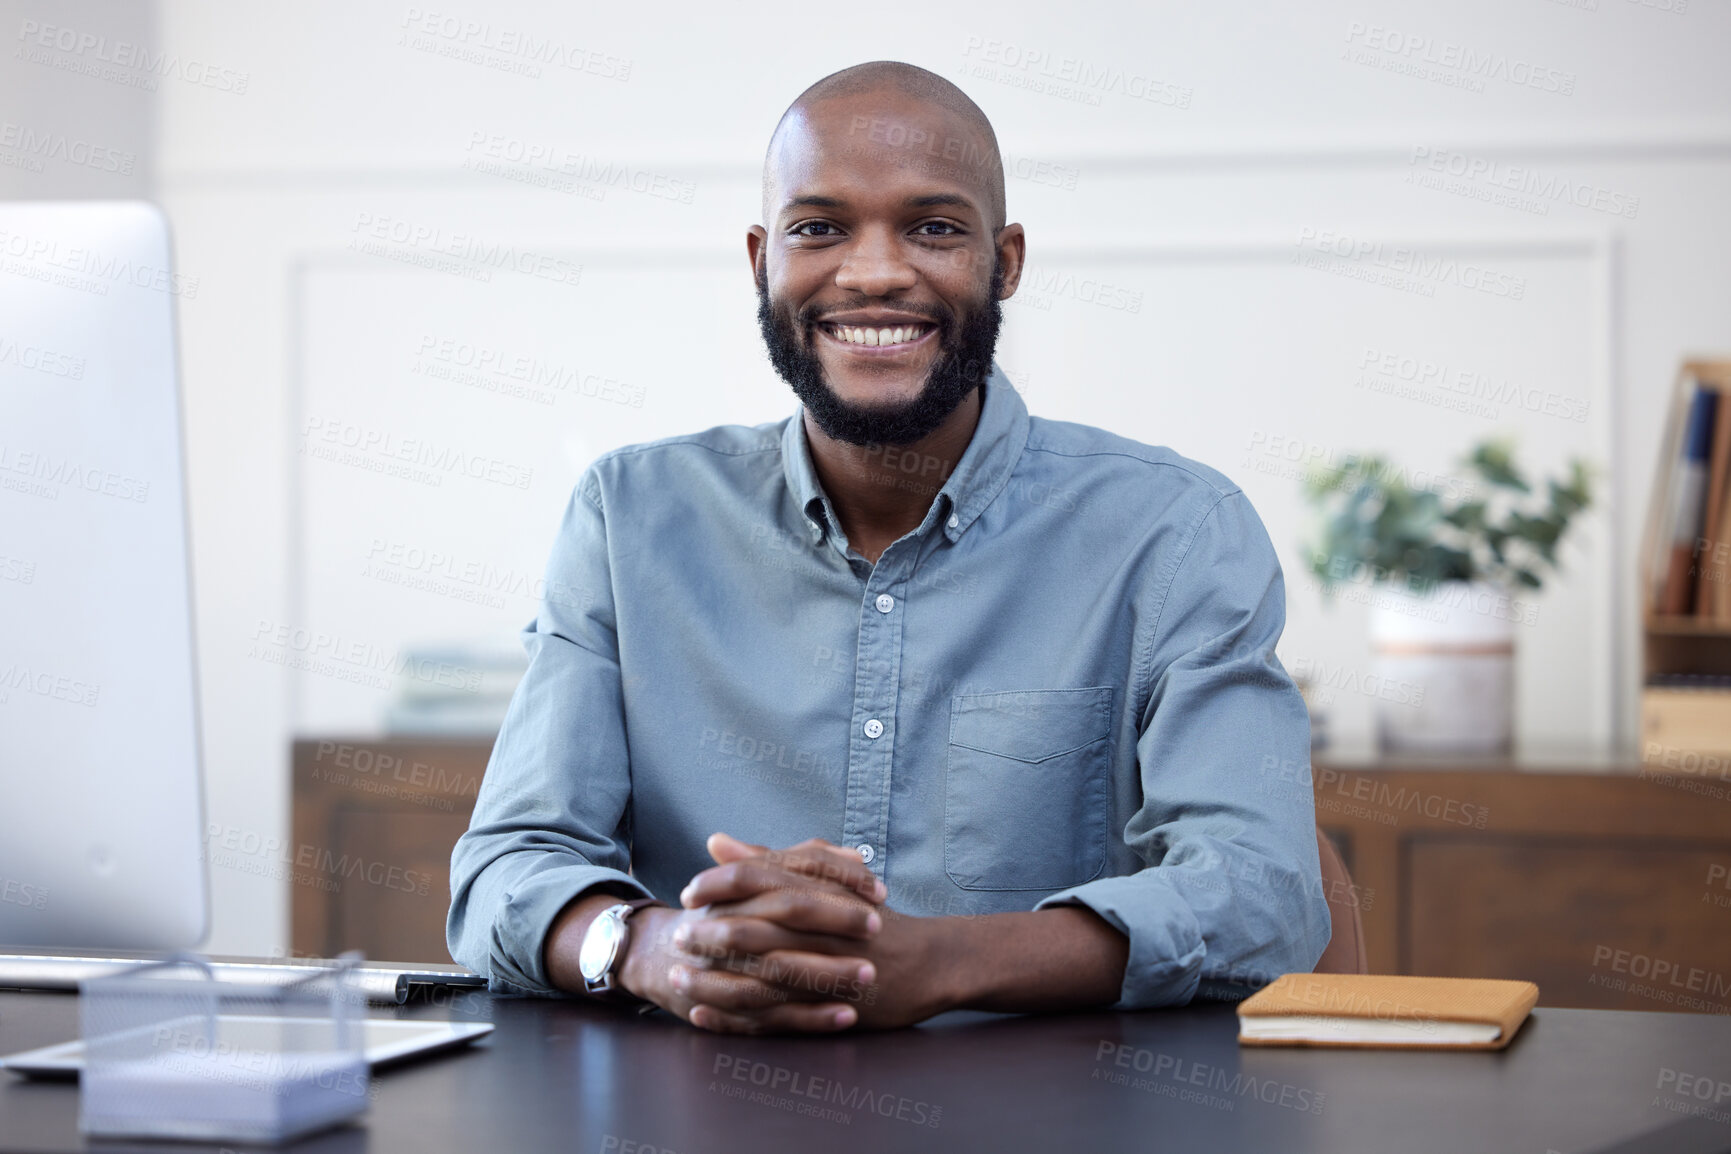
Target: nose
[[875, 266]]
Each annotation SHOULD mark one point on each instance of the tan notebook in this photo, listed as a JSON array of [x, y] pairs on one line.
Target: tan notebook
[[1385, 1011]]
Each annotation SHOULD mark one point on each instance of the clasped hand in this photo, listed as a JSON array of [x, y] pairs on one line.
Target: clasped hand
[[785, 940]]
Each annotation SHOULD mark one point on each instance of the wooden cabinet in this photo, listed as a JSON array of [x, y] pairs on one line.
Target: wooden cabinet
[[1608, 888], [374, 823]]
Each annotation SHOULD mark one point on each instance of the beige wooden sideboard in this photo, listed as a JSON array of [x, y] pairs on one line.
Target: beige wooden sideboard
[[1609, 887]]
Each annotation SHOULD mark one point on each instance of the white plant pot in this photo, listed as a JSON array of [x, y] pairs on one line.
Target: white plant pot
[[1448, 659]]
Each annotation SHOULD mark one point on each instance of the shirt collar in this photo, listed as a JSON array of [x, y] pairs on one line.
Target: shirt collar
[[978, 478]]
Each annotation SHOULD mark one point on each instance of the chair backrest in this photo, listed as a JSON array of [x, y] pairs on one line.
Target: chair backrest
[[1345, 953]]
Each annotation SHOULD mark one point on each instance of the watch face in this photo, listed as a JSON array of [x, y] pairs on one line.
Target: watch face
[[600, 943]]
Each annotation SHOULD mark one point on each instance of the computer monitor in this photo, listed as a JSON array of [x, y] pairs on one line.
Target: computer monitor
[[101, 807]]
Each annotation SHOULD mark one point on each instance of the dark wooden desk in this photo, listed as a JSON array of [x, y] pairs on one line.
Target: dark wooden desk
[[568, 1076]]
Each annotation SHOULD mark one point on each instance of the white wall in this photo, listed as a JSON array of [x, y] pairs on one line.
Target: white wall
[[64, 134], [1269, 123]]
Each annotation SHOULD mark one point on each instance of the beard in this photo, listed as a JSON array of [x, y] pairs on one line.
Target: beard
[[964, 360]]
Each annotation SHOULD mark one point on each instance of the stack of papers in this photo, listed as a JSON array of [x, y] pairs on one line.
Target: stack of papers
[[455, 690]]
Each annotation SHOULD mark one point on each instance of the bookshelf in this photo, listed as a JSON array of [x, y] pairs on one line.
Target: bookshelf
[[1686, 578]]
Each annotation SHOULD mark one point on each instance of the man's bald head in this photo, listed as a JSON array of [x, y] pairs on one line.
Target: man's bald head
[[968, 150]]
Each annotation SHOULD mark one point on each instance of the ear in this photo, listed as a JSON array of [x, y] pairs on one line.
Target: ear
[[757, 250], [1012, 245]]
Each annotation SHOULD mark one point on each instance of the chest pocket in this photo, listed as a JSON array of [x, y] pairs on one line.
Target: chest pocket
[[1026, 787]]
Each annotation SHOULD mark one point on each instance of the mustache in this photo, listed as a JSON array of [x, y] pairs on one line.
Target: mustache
[[811, 316]]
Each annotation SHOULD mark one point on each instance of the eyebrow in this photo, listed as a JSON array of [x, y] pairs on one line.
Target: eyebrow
[[930, 200], [938, 198]]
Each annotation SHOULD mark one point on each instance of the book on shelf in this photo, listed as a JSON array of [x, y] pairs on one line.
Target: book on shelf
[[1711, 561], [1688, 565], [1686, 573], [1688, 502]]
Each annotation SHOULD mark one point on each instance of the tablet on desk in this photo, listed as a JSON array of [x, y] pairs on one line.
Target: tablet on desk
[[388, 1041]]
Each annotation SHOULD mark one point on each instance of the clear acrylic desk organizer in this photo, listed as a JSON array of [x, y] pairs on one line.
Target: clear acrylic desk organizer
[[170, 1052]]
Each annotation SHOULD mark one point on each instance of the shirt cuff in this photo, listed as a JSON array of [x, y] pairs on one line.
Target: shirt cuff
[[526, 916], [1166, 946]]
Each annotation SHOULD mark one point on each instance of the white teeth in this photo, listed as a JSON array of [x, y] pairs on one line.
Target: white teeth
[[876, 337]]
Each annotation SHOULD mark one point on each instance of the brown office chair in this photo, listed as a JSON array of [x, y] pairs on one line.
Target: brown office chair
[[1345, 953]]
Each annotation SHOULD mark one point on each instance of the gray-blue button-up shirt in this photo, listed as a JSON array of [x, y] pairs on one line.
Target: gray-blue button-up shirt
[[1060, 689]]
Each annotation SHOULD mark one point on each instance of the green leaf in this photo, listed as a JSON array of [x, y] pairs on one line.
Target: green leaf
[[1468, 516], [1368, 514], [1495, 462]]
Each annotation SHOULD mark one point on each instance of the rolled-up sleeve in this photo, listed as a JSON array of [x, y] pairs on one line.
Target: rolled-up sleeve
[[549, 822], [1231, 893]]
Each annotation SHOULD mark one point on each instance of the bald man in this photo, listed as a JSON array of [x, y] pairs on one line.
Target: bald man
[[910, 702]]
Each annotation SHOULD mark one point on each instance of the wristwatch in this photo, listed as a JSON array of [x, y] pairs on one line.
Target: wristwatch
[[603, 945]]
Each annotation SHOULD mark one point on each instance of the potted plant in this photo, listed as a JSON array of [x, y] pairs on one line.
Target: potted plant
[[1449, 568]]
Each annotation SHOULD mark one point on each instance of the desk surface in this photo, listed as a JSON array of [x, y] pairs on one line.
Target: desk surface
[[567, 1076]]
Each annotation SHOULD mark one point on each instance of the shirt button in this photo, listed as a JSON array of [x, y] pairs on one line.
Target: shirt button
[[885, 602], [954, 521], [866, 852], [874, 729]]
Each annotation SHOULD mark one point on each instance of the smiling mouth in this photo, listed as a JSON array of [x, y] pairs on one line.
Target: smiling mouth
[[880, 337]]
